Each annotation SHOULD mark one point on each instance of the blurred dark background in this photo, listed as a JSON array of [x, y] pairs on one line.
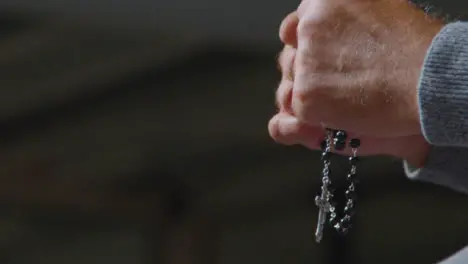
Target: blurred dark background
[[135, 132]]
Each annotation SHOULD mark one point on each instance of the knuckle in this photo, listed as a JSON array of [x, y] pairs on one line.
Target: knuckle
[[279, 60], [310, 87], [285, 62], [307, 29], [286, 56], [283, 95], [300, 104], [273, 129], [308, 100], [311, 57]]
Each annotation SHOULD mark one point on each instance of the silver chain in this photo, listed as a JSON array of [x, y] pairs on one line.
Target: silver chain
[[324, 199]]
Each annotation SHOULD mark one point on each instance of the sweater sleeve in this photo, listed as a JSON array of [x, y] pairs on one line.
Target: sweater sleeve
[[443, 104], [443, 88]]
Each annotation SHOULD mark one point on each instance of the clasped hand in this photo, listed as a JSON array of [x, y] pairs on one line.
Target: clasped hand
[[354, 65]]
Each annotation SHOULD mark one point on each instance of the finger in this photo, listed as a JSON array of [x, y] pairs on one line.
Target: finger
[[286, 129], [324, 98], [286, 62], [284, 91], [288, 29], [284, 96]]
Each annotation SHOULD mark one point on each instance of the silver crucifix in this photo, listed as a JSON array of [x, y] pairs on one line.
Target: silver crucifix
[[324, 208], [323, 201]]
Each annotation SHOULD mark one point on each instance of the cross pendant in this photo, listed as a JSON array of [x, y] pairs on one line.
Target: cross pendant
[[324, 208]]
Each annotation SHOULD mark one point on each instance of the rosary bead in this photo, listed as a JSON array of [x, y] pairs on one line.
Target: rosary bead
[[333, 221], [345, 222], [332, 203], [353, 160], [344, 231], [350, 195], [341, 229], [326, 181], [349, 211], [355, 143], [341, 135], [338, 141], [346, 218], [351, 177], [349, 206], [339, 144], [329, 199], [337, 225]]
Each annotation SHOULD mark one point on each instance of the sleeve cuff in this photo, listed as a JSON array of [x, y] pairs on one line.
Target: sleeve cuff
[[410, 171], [445, 166], [443, 88]]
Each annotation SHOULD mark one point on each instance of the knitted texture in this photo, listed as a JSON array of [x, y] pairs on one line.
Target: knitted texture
[[443, 104], [443, 88]]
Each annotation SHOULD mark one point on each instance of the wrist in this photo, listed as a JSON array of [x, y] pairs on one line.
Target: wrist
[[416, 154]]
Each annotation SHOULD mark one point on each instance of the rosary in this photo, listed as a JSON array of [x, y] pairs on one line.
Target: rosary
[[337, 140]]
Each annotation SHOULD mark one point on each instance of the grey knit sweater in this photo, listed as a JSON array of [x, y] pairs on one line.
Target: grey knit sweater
[[443, 104]]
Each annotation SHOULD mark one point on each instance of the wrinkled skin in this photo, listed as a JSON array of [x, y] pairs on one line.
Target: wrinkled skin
[[354, 65]]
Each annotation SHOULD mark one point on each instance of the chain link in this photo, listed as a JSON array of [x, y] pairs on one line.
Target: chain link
[[342, 224]]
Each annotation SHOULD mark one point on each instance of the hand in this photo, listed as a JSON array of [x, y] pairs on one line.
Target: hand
[[354, 68], [357, 64], [287, 129]]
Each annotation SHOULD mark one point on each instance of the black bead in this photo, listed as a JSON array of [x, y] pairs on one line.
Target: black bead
[[350, 195], [339, 144], [341, 229], [337, 226], [341, 135], [333, 221], [349, 211], [346, 218], [355, 143], [326, 156], [354, 160], [346, 222], [350, 204], [351, 177]]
